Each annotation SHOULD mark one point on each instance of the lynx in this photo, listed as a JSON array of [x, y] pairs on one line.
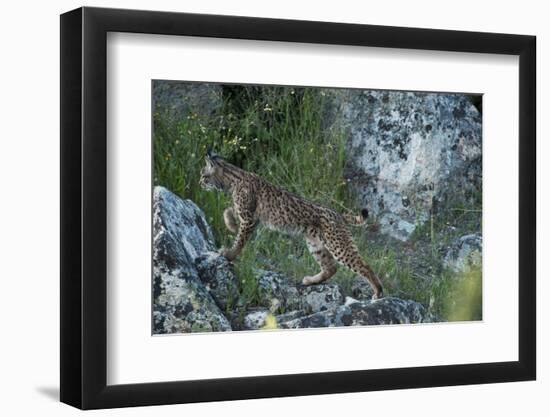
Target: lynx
[[256, 200]]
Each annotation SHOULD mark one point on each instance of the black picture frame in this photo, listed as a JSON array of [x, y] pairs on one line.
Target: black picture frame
[[84, 207]]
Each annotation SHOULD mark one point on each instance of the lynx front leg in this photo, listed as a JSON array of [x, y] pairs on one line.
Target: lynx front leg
[[229, 220], [245, 205], [246, 227], [325, 260]]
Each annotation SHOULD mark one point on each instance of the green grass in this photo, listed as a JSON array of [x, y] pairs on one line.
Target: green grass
[[459, 296], [281, 134]]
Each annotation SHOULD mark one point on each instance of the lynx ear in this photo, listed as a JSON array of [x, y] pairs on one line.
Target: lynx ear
[[211, 156]]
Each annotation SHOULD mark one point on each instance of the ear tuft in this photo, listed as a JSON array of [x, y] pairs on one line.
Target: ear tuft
[[210, 154]]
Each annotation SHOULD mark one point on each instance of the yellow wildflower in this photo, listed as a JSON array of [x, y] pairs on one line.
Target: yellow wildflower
[[270, 323]]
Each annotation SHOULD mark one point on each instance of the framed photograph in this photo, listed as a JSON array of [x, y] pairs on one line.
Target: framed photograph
[[257, 208]]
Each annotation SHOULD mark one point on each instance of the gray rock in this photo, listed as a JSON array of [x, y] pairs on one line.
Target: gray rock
[[361, 290], [181, 303], [315, 298], [392, 225], [217, 274], [465, 253], [257, 319], [388, 310], [327, 318], [350, 300], [291, 315], [180, 229], [411, 153], [182, 99], [278, 293]]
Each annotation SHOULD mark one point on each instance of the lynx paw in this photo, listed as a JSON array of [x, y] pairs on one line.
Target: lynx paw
[[227, 253], [310, 280], [378, 296]]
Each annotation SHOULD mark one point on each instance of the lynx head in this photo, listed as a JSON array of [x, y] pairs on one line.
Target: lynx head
[[212, 175]]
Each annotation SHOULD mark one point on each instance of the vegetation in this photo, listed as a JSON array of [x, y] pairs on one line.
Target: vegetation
[[280, 133]]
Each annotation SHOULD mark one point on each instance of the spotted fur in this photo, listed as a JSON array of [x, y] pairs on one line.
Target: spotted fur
[[256, 200]]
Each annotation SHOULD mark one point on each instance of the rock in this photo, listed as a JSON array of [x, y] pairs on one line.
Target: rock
[[217, 274], [278, 293], [388, 310], [465, 253], [256, 320], [396, 227], [326, 318], [180, 230], [361, 289], [291, 315], [410, 154], [315, 298], [182, 99], [350, 300], [181, 303]]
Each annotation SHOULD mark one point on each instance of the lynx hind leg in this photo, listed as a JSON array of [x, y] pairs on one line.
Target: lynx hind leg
[[325, 260], [229, 220], [341, 246]]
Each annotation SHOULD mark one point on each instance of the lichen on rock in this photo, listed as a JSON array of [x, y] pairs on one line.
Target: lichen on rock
[[464, 253], [181, 303], [410, 153]]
